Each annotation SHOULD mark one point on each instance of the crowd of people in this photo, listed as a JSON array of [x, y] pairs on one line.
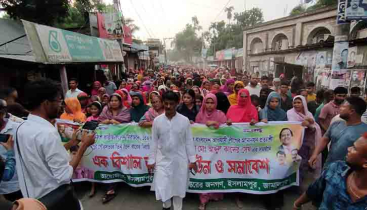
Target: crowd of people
[[169, 101]]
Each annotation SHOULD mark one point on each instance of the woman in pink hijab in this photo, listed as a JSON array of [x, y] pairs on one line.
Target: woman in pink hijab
[[209, 114], [311, 137], [96, 86], [212, 117], [244, 111]]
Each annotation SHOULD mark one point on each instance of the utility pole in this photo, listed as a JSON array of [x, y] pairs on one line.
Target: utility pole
[[165, 48]]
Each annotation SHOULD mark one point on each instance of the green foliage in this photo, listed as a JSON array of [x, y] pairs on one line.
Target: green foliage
[[320, 3], [187, 43], [224, 36], [298, 10], [40, 11], [229, 10]]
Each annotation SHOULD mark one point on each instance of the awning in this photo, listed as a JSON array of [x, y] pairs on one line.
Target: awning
[[28, 58]]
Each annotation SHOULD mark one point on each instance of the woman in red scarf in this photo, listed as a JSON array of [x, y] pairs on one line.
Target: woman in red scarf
[[244, 111]]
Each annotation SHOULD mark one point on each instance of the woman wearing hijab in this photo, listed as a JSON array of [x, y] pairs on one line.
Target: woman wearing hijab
[[101, 92], [96, 86], [115, 112], [138, 107], [244, 111], [228, 87], [126, 98], [312, 135], [223, 103], [151, 96], [272, 110], [73, 111], [211, 117], [238, 85], [157, 109]]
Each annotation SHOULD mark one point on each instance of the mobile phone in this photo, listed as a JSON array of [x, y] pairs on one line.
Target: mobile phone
[[4, 137], [90, 125]]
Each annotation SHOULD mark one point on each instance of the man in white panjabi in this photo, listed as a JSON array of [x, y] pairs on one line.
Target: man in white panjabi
[[172, 154]]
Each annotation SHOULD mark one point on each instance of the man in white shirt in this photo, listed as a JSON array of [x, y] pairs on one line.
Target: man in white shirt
[[172, 153], [253, 87], [74, 91], [42, 162]]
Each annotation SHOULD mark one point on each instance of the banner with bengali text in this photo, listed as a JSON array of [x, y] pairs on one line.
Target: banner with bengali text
[[257, 159]]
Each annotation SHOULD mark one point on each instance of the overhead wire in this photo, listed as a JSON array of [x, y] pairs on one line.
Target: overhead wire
[[222, 10], [142, 6], [140, 19]]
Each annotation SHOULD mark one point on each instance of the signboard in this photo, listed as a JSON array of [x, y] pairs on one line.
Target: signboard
[[204, 52], [356, 10], [113, 25], [352, 54], [257, 159], [340, 55], [219, 55], [61, 46], [341, 18], [228, 54]]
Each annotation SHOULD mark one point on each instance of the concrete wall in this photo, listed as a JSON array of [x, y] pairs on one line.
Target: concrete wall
[[297, 30]]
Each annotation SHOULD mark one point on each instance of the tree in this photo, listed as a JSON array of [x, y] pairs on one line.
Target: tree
[[39, 11], [187, 43], [298, 10], [229, 10], [130, 22], [249, 18], [195, 23], [224, 36], [319, 4]]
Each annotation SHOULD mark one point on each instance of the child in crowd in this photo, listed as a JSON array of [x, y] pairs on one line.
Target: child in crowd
[[95, 111], [256, 102], [199, 100]]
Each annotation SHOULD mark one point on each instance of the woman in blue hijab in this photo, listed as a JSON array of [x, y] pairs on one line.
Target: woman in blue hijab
[[272, 110]]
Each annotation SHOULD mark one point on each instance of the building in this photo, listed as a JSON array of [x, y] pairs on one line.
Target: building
[[290, 45], [302, 45]]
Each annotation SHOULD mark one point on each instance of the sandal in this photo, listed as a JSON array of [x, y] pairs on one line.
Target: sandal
[[108, 197], [202, 206], [92, 191]]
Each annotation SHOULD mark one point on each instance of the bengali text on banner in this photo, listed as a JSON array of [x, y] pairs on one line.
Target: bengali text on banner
[[257, 159]]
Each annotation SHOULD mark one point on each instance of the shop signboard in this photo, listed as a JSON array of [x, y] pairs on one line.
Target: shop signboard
[[62, 46]]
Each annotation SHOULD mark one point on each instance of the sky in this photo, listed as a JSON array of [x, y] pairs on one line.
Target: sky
[[164, 18]]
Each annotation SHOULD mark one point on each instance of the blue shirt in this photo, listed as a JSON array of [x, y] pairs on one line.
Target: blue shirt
[[9, 170], [341, 137], [329, 192]]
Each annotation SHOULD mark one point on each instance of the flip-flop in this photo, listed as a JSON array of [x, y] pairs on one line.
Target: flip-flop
[[108, 197], [202, 207], [91, 195]]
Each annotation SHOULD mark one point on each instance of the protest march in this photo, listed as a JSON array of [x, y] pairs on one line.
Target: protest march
[[146, 104], [196, 136]]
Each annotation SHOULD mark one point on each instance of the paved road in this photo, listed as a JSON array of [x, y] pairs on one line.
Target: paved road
[[130, 198]]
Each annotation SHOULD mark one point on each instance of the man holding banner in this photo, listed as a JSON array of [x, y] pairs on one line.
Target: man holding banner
[[172, 152]]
